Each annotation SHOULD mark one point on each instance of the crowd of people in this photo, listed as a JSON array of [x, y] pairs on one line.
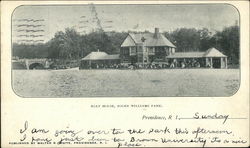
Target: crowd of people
[[154, 65]]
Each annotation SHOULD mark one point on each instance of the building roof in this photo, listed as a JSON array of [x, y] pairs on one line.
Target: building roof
[[211, 52], [187, 55], [100, 56], [150, 40], [112, 57]]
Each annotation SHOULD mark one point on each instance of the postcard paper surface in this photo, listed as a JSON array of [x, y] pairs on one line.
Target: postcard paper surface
[[125, 74]]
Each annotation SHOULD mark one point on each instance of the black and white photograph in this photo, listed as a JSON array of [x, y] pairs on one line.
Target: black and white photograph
[[125, 50], [120, 74]]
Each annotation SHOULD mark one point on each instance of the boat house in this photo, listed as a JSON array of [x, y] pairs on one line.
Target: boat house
[[153, 50], [212, 58], [145, 48], [99, 60], [156, 49]]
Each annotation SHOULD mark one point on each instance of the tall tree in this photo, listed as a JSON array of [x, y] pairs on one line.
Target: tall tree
[[205, 39], [228, 41], [65, 45], [185, 39]]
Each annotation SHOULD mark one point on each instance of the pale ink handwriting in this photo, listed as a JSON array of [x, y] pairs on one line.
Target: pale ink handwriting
[[135, 137]]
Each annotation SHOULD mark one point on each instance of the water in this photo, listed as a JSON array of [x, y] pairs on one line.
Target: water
[[125, 83]]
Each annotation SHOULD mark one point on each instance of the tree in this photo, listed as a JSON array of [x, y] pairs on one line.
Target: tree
[[54, 45], [205, 39], [30, 51], [70, 44], [228, 42], [65, 45], [185, 39]]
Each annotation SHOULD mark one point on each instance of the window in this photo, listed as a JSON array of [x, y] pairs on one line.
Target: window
[[160, 51], [125, 51], [139, 49], [167, 51], [132, 50], [151, 50], [173, 50]]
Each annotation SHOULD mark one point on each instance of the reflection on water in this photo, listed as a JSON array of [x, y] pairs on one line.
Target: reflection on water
[[94, 83]]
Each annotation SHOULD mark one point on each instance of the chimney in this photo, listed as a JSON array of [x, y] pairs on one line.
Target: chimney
[[157, 34]]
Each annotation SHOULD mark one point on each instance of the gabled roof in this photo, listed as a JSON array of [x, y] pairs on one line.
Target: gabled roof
[[213, 52], [129, 41], [100, 56], [135, 38]]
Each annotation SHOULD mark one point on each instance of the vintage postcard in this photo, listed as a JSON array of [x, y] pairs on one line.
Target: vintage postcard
[[125, 74]]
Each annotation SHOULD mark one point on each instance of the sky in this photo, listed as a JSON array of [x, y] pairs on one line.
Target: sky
[[83, 18]]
